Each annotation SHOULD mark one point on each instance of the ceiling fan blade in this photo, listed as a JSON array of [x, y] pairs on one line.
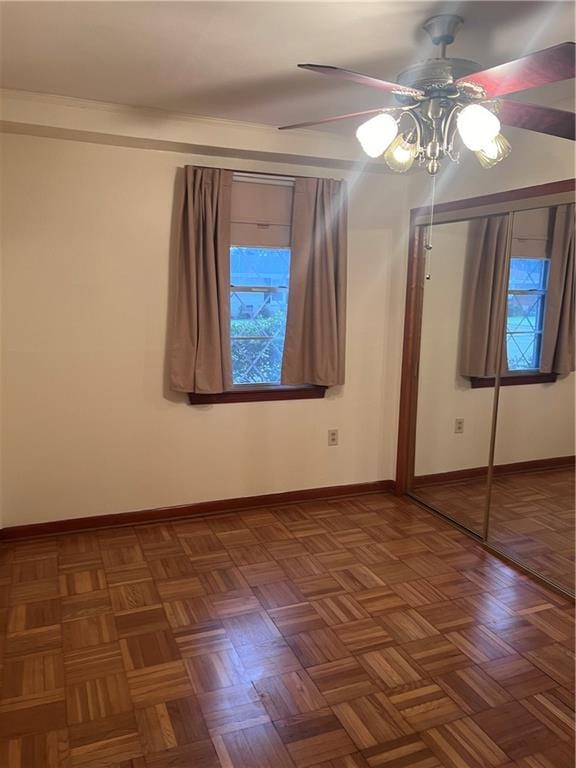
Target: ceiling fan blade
[[357, 77], [555, 122], [334, 119], [547, 66]]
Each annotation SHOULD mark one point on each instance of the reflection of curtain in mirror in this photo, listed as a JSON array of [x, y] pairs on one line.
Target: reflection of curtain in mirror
[[558, 335], [483, 296]]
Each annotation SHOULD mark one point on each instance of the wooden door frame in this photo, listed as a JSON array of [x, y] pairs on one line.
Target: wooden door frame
[[553, 193]]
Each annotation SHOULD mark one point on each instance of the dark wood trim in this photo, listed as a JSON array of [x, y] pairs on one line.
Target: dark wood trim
[[513, 380], [535, 465], [413, 314], [410, 359], [199, 509], [258, 394], [509, 196]]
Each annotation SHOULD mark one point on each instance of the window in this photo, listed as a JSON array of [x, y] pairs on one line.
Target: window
[[239, 331], [260, 236], [527, 286], [259, 280]]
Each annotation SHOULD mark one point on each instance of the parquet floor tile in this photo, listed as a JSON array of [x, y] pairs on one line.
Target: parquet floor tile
[[171, 724], [407, 751], [463, 744], [38, 750], [425, 706], [473, 689], [360, 633], [293, 693], [518, 676], [97, 743], [515, 729], [314, 736], [555, 709], [97, 697], [391, 667], [28, 616], [94, 630], [259, 746], [297, 618], [342, 680], [201, 754], [233, 709], [371, 720]]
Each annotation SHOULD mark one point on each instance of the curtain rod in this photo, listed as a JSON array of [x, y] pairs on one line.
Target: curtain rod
[[264, 178]]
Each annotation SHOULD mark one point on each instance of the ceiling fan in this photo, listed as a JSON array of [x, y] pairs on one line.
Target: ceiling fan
[[442, 97]]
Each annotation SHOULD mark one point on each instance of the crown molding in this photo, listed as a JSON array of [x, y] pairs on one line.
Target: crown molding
[[64, 117]]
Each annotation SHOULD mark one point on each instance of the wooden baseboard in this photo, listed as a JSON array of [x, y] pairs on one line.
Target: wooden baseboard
[[200, 509], [536, 465]]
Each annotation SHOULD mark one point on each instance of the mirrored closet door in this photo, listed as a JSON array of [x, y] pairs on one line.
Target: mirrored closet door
[[487, 416], [532, 510], [453, 427]]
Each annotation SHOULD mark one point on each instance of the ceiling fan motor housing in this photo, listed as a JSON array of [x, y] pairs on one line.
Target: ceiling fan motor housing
[[436, 76]]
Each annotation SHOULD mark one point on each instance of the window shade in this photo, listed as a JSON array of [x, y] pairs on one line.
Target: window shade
[[530, 234], [261, 214]]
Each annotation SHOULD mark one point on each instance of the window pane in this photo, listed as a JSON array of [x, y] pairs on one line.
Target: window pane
[[259, 266], [528, 274], [523, 351], [525, 312], [258, 316], [257, 361]]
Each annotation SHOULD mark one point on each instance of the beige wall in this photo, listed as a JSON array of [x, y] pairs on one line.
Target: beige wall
[[534, 422], [87, 426]]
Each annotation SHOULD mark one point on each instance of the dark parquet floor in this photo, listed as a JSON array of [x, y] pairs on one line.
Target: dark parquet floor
[[350, 634]]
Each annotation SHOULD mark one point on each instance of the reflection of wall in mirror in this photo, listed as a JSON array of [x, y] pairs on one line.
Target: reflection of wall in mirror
[[535, 421]]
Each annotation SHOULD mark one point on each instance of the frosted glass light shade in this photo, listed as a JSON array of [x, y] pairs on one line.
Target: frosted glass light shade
[[400, 155], [495, 151], [376, 134], [477, 126]]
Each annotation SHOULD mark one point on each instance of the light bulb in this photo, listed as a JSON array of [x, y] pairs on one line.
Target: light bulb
[[400, 155], [477, 126], [376, 134], [495, 151]]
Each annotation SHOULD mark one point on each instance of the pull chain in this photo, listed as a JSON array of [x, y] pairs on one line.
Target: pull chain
[[428, 239], [428, 243]]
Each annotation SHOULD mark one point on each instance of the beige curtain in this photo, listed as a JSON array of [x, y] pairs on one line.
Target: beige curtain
[[483, 296], [200, 324], [557, 354], [314, 346]]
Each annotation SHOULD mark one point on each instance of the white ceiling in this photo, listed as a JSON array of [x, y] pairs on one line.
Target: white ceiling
[[237, 60]]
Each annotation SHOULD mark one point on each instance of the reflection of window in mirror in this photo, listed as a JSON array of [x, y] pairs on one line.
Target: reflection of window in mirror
[[538, 294], [527, 288]]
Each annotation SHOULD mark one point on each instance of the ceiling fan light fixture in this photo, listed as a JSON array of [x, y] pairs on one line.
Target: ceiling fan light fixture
[[401, 154], [494, 152], [477, 126], [376, 134]]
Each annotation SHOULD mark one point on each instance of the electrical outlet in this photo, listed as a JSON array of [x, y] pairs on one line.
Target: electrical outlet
[[458, 426], [332, 437]]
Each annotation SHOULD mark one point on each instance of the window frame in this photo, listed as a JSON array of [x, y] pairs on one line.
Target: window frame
[[542, 292]]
